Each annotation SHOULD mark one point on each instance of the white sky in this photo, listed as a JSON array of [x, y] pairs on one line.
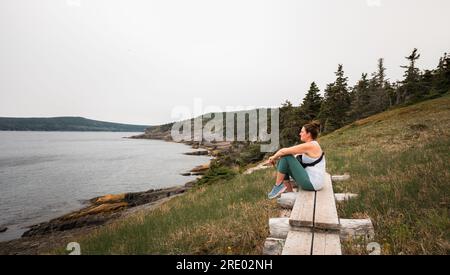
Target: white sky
[[134, 61]]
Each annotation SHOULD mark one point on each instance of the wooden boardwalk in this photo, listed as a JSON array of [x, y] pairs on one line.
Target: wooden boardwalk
[[313, 226], [314, 223]]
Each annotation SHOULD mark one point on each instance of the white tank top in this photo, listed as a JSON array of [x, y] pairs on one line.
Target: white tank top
[[316, 173]]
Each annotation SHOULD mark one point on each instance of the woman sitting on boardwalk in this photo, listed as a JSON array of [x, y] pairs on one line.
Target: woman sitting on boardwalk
[[307, 169]]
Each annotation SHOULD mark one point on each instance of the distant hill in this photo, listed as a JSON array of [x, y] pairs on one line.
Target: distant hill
[[65, 124], [163, 131]]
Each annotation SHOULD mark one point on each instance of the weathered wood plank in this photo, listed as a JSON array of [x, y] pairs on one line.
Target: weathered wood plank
[[303, 211], [306, 218], [344, 196], [326, 244], [350, 228], [340, 177], [280, 227], [326, 216], [356, 228], [298, 243]]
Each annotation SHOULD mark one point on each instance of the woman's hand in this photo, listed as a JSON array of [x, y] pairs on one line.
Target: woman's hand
[[270, 161]]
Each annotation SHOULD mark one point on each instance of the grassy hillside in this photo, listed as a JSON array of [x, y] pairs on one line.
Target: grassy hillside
[[65, 124], [399, 166]]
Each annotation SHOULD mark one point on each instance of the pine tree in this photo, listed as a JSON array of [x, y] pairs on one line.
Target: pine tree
[[334, 112], [426, 81], [289, 124], [310, 107], [379, 98], [412, 73], [390, 92], [411, 90], [380, 75], [441, 79], [360, 98]]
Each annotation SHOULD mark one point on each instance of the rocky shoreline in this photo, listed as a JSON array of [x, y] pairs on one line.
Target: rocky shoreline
[[43, 237], [209, 148], [213, 149], [101, 210]]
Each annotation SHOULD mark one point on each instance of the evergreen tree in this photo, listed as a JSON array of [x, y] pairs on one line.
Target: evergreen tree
[[441, 79], [334, 112], [380, 75], [289, 121], [411, 90], [310, 107], [390, 92], [426, 81], [360, 98], [379, 99]]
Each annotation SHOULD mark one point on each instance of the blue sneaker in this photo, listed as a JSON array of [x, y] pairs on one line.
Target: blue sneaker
[[277, 190]]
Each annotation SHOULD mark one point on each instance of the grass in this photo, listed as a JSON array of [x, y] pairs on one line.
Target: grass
[[399, 163], [399, 166], [227, 217], [216, 173]]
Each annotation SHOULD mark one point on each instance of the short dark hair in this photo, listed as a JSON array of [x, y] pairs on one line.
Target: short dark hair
[[313, 128]]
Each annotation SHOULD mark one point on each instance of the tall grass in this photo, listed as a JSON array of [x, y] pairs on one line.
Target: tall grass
[[228, 217], [399, 163]]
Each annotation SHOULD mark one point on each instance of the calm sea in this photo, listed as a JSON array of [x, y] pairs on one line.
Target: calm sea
[[44, 175]]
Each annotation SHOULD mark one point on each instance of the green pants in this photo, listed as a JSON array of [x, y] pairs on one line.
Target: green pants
[[290, 166]]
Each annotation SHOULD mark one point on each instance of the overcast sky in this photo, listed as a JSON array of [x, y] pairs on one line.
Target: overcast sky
[[133, 61]]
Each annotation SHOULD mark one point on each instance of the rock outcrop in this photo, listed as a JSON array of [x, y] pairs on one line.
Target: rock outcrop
[[198, 153], [101, 209], [200, 168]]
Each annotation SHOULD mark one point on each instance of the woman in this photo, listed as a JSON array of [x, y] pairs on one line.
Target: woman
[[308, 170]]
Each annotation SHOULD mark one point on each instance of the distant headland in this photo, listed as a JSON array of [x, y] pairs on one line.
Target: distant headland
[[65, 124]]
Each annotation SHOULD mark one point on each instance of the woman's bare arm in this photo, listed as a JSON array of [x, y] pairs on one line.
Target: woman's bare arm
[[294, 150]]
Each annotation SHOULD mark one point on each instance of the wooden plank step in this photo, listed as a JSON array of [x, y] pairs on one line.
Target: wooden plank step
[[273, 246], [314, 223], [287, 200], [326, 216], [340, 197], [355, 228], [326, 244], [298, 243], [303, 211], [340, 177]]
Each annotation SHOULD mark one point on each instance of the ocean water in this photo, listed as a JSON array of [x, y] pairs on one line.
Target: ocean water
[[44, 175]]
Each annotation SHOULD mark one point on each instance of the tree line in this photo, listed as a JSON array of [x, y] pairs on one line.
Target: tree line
[[342, 104]]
